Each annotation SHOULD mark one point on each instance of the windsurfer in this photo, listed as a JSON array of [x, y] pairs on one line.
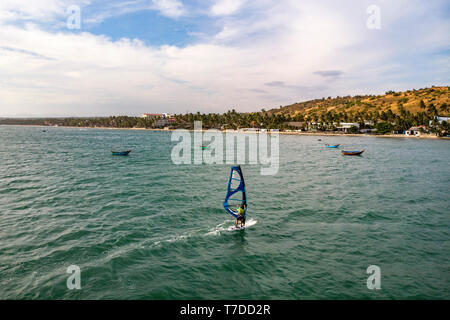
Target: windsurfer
[[241, 216]]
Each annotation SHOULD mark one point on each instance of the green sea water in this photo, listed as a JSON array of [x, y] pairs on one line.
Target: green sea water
[[140, 227]]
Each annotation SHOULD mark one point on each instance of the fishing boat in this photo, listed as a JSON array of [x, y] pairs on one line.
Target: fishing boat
[[120, 153], [352, 153], [332, 146]]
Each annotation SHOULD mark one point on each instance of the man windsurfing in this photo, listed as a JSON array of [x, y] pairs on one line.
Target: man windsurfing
[[241, 216]]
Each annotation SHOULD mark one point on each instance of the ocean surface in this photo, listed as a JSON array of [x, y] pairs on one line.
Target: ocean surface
[[140, 227]]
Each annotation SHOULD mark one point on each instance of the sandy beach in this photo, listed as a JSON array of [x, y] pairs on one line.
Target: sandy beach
[[313, 134]]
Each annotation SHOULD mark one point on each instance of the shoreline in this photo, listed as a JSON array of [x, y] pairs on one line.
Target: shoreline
[[314, 134]]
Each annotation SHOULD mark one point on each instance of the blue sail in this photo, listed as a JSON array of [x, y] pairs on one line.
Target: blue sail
[[236, 195]]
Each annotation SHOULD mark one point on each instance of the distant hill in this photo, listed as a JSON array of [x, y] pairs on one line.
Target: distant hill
[[413, 101]]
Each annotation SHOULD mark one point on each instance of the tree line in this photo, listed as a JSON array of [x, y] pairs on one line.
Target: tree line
[[317, 120]]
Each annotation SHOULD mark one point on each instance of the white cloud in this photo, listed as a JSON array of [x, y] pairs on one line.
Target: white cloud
[[48, 12], [170, 8], [43, 10], [226, 7], [278, 56]]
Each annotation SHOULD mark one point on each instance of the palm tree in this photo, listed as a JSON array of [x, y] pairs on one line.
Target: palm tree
[[432, 110], [422, 105]]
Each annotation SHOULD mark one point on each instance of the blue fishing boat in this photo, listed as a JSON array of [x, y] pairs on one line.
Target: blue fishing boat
[[332, 146], [120, 153]]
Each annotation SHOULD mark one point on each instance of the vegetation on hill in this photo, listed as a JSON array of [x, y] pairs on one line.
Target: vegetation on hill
[[402, 109]]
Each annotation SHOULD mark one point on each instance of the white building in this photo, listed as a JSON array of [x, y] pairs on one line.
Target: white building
[[152, 115], [415, 131], [164, 122], [440, 120], [348, 125], [368, 130], [344, 126]]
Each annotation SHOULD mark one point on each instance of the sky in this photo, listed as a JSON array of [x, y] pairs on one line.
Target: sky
[[105, 57]]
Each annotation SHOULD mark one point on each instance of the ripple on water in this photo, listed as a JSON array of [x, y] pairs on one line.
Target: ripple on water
[[142, 228]]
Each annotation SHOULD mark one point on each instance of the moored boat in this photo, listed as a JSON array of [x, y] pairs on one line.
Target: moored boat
[[352, 153], [120, 153], [332, 146]]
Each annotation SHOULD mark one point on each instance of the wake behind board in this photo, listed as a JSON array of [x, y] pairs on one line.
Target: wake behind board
[[248, 224]]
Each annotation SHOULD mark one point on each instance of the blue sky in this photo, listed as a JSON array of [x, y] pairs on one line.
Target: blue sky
[[131, 57], [150, 27]]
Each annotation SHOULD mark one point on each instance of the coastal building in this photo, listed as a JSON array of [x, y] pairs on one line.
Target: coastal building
[[164, 122], [368, 130], [296, 124], [161, 123], [156, 115], [439, 120], [413, 131], [345, 126], [152, 115], [416, 131], [348, 125]]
